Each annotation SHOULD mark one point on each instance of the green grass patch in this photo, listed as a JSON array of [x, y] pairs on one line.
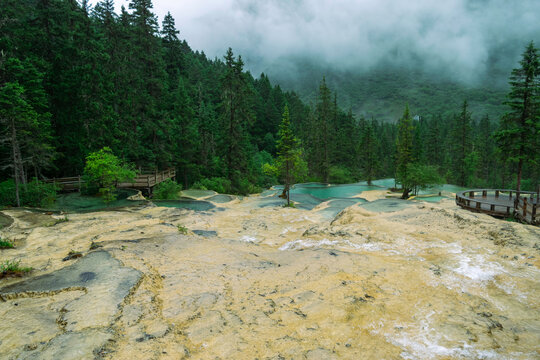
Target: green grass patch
[[57, 221], [182, 229], [6, 244], [167, 190], [13, 268]]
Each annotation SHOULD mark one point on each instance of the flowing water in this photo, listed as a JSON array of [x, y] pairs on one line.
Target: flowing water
[[381, 279]]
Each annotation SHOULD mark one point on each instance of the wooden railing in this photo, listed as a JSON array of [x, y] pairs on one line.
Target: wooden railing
[[67, 183], [148, 181], [141, 181], [502, 202], [528, 210]]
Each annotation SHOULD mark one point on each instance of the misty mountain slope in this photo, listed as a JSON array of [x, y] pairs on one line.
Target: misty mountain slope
[[383, 93]]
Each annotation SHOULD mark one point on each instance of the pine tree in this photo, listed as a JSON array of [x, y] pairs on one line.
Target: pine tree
[[18, 123], [486, 150], [461, 146], [28, 95], [434, 142], [237, 115], [173, 51], [324, 116], [288, 151], [518, 132], [369, 154], [148, 79], [404, 149]]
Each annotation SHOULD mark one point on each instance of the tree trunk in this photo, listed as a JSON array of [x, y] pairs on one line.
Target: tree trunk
[[287, 181], [17, 162], [405, 194], [518, 186]]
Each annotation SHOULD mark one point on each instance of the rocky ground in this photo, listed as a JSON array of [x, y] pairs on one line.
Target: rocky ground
[[416, 281]]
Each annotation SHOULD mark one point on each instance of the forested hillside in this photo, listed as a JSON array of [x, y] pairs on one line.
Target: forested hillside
[[75, 79], [382, 91]]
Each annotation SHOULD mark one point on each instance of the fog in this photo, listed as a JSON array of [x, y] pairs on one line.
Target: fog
[[466, 39]]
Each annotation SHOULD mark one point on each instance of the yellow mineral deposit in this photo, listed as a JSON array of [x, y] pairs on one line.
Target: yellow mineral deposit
[[426, 281]]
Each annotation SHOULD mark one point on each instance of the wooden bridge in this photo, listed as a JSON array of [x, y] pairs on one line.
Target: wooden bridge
[[502, 203], [144, 181]]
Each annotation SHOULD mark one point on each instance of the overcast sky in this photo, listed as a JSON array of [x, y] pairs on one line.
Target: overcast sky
[[460, 35]]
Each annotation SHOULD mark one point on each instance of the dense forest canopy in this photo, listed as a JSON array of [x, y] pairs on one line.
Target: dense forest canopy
[[75, 79]]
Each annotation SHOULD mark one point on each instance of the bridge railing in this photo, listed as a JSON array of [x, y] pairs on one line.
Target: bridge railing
[[141, 181], [528, 210], [502, 202]]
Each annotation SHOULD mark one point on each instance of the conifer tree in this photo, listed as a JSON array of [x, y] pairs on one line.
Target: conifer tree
[[461, 146], [434, 143], [237, 114], [486, 150], [18, 122], [404, 149], [288, 152], [173, 51], [369, 157], [324, 118], [518, 132]]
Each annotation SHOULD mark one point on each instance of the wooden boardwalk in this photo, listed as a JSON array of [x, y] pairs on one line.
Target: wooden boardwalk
[[140, 182], [502, 203]]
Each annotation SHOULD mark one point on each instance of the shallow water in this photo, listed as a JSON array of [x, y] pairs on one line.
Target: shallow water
[[5, 221], [448, 188], [325, 192], [386, 205], [194, 193], [197, 205], [433, 199], [220, 198], [334, 206], [76, 202]]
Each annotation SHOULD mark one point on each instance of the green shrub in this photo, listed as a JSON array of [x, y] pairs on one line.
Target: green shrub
[[57, 221], [245, 187], [340, 175], [13, 268], [421, 177], [35, 193], [291, 205], [167, 190], [217, 184], [103, 170], [182, 229], [6, 244]]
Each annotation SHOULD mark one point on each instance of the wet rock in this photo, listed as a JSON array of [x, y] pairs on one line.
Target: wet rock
[[71, 345], [340, 233], [72, 255], [221, 198], [96, 267], [99, 283], [205, 233], [321, 354], [136, 197], [145, 337]]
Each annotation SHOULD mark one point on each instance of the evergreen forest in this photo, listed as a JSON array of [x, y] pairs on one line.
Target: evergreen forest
[[75, 79]]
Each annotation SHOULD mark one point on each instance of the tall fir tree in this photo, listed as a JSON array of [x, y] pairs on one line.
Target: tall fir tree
[[324, 117], [288, 152], [237, 115], [461, 146], [518, 132], [404, 149], [370, 147]]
